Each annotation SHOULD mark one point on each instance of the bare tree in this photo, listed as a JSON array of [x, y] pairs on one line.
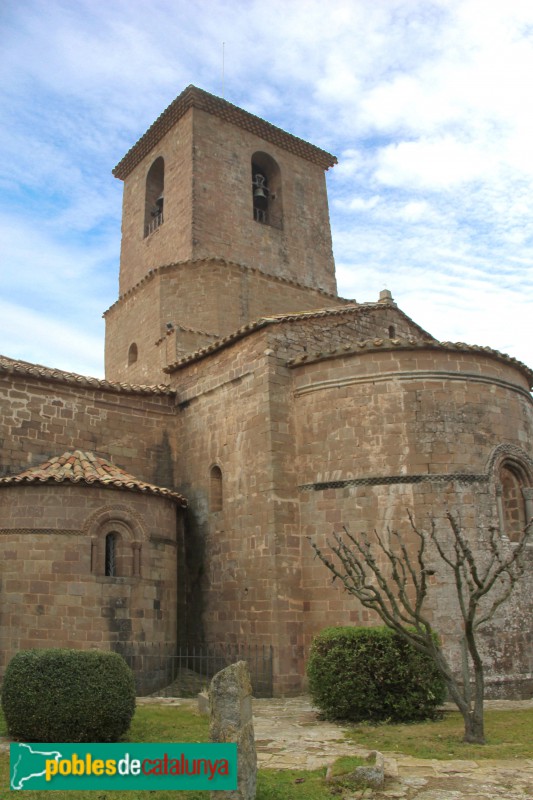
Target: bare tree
[[397, 590]]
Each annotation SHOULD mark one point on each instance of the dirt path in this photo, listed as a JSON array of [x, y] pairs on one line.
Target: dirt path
[[289, 735]]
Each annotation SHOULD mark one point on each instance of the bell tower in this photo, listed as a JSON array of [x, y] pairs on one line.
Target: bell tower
[[225, 220]]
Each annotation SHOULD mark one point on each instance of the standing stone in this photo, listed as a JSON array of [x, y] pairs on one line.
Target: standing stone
[[230, 702]]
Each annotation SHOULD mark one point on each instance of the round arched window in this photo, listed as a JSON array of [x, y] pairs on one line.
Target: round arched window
[[215, 489], [266, 190], [133, 354], [110, 567], [513, 501], [154, 197]]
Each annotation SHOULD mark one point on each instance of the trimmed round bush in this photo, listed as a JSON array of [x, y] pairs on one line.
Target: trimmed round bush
[[68, 696], [372, 674]]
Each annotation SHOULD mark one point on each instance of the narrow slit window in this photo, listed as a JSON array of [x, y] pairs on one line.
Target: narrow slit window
[[111, 555], [215, 489], [513, 502]]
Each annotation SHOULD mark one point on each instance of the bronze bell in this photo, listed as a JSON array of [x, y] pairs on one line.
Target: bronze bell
[[260, 191]]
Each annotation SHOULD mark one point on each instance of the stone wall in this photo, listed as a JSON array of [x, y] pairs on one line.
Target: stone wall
[[208, 211], [236, 412], [380, 433], [223, 224], [208, 219], [55, 591], [410, 411], [244, 572], [136, 320], [45, 417], [304, 443], [341, 328], [172, 241], [303, 449], [204, 301]]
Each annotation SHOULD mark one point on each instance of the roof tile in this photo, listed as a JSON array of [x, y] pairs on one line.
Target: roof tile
[[412, 344], [192, 97], [86, 467], [275, 319], [25, 368]]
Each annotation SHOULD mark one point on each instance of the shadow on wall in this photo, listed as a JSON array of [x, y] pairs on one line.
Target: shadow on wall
[[193, 556], [164, 466]]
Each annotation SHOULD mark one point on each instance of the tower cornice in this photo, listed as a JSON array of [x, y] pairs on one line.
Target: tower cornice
[[192, 97]]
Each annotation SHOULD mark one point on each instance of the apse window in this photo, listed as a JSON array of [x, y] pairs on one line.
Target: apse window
[[215, 489], [133, 354], [154, 197], [513, 501], [266, 190], [111, 555]]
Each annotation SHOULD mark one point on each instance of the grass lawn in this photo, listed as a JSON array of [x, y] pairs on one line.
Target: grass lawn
[[509, 734]]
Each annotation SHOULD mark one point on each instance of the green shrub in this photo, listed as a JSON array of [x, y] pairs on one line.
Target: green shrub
[[372, 674], [68, 696]]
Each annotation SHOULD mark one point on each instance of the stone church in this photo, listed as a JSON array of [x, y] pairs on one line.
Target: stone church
[[246, 407]]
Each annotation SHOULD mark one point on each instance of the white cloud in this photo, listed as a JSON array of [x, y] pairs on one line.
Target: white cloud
[[416, 210], [439, 164], [361, 203], [28, 334]]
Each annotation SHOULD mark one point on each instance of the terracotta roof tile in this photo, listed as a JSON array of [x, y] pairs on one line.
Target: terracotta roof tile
[[275, 319], [427, 341], [85, 467], [412, 344], [25, 368], [192, 97]]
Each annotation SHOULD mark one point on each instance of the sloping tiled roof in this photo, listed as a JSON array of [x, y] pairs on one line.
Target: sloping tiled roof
[[276, 319], [192, 97], [412, 344], [427, 341], [25, 368], [85, 467]]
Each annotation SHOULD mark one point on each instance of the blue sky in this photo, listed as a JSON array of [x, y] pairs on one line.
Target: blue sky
[[427, 106]]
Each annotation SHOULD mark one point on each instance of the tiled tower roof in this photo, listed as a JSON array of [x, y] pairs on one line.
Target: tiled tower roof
[[192, 97], [85, 467]]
